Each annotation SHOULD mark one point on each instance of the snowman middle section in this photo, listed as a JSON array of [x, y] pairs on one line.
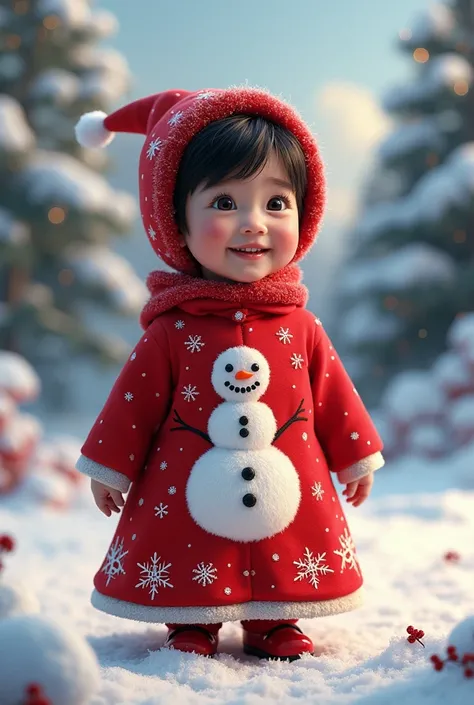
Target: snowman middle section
[[243, 488]]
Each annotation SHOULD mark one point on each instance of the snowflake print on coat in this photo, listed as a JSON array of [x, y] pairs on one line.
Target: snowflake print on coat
[[205, 574], [284, 335], [311, 567], [318, 321], [161, 510], [347, 553], [128, 396], [154, 147], [179, 325], [194, 343], [190, 392], [151, 233], [318, 491], [297, 361], [354, 436], [204, 95], [154, 575], [114, 560], [163, 465]]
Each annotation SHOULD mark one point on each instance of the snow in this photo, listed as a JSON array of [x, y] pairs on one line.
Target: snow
[[422, 134], [414, 265], [17, 377], [364, 323], [450, 371], [99, 266], [55, 84], [74, 13], [441, 73], [15, 133], [436, 22], [461, 414], [11, 231], [461, 332], [59, 178], [417, 512], [450, 185], [411, 395], [103, 24]]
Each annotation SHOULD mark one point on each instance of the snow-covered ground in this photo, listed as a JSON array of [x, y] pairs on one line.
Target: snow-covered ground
[[417, 513]]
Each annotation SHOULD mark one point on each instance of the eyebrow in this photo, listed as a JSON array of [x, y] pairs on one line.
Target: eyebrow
[[271, 179]]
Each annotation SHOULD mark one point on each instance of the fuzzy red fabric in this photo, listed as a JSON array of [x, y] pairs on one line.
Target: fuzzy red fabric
[[170, 289]]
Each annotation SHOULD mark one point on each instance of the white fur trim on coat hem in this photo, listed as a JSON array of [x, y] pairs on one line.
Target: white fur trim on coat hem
[[227, 613], [101, 473], [364, 467]]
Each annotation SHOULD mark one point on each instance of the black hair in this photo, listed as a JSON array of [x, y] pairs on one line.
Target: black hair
[[237, 147]]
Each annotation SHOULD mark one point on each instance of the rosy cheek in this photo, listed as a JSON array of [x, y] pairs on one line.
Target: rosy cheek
[[217, 228]]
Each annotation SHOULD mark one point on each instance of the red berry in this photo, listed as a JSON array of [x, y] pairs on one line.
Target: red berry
[[421, 633], [411, 639], [7, 543], [451, 650], [435, 658], [438, 666], [468, 672], [409, 630], [34, 689]]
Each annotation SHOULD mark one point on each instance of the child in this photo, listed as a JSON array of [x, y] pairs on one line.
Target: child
[[233, 409]]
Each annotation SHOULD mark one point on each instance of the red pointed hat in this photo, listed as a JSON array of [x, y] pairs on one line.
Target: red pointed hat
[[170, 120]]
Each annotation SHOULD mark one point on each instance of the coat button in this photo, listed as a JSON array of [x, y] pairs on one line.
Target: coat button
[[249, 500], [239, 316], [248, 474]]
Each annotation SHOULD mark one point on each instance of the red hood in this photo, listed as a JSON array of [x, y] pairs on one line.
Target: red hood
[[278, 293]]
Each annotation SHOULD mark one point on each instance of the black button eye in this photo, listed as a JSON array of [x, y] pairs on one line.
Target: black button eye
[[255, 367], [229, 368]]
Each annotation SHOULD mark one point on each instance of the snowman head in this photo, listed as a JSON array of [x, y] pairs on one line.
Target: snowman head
[[240, 374]]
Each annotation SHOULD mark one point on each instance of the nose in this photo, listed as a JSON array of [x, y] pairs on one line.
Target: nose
[[253, 222], [242, 374]]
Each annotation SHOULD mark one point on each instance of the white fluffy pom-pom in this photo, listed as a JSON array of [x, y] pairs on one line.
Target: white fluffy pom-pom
[[91, 132]]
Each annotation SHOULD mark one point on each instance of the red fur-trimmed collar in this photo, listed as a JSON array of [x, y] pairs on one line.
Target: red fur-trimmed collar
[[275, 293]]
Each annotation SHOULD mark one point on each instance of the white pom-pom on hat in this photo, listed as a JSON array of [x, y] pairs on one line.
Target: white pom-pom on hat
[[91, 131]]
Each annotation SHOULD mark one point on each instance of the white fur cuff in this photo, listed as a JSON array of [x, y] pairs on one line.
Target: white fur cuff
[[364, 467], [103, 474]]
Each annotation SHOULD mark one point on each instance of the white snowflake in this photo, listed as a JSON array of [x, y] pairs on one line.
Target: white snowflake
[[205, 574], [172, 490], [317, 321], [194, 343], [347, 553], [128, 396], [297, 361], [113, 565], [151, 233], [175, 118], [179, 325], [154, 147], [284, 335], [304, 436], [204, 95], [354, 435], [154, 575], [163, 465], [310, 567], [190, 392], [317, 491], [133, 355], [161, 510]]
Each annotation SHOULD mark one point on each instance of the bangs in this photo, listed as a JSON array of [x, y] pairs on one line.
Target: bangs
[[237, 147]]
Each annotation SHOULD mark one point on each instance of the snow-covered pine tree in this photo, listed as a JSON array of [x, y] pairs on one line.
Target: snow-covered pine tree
[[57, 212], [411, 271]]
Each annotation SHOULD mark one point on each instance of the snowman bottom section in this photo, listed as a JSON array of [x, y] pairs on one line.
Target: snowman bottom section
[[227, 613], [243, 495]]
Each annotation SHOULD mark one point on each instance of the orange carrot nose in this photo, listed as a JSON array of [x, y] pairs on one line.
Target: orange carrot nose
[[242, 374]]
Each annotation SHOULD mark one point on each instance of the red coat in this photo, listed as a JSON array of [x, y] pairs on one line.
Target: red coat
[[237, 534]]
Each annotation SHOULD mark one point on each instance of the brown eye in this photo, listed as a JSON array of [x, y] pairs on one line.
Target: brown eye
[[224, 203], [278, 203]]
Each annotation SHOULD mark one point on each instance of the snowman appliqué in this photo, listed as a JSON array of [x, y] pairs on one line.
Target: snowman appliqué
[[243, 488]]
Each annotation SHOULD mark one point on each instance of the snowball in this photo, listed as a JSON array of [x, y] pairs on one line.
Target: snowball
[[17, 377], [411, 395], [15, 599], [462, 636], [34, 649], [451, 372]]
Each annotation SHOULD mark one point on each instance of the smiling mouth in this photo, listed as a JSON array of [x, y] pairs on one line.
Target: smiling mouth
[[252, 253]]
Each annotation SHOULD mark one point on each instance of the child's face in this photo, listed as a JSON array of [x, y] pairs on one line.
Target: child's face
[[258, 212]]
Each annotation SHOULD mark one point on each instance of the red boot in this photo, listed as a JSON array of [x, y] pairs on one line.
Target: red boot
[[192, 638], [284, 641]]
